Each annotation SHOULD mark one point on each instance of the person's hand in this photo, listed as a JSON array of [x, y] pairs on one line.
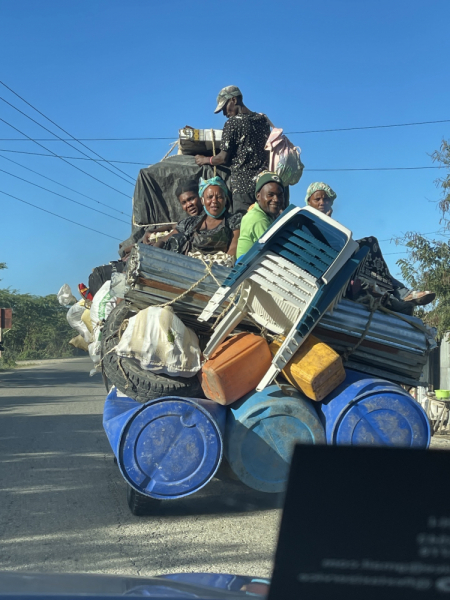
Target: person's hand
[[146, 239], [329, 213], [201, 160]]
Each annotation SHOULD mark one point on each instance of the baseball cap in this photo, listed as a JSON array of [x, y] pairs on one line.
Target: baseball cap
[[230, 91]]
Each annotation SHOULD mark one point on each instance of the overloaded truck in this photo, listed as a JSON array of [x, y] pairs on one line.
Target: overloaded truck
[[207, 365]]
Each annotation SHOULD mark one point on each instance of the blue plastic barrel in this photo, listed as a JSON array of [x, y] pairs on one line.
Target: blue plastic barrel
[[167, 448], [262, 429], [366, 411]]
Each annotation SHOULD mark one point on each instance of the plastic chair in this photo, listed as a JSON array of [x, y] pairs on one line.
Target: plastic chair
[[289, 278]]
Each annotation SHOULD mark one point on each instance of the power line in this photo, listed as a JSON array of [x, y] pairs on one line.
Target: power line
[[65, 197], [64, 160], [144, 139], [56, 125], [422, 234], [70, 157], [139, 139], [377, 169], [68, 144], [306, 169], [369, 127], [65, 186], [59, 216]]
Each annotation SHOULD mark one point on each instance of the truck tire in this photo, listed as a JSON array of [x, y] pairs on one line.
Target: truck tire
[[139, 504], [128, 376]]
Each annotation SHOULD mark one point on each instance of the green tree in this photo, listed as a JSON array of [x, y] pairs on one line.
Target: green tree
[[427, 266], [39, 328], [442, 156]]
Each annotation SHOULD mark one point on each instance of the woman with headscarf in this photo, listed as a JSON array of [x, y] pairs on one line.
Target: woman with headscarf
[[214, 229], [374, 276]]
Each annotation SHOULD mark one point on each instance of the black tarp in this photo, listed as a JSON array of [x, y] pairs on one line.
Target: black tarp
[[154, 199]]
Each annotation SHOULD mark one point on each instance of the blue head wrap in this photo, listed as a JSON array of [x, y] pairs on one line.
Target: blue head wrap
[[204, 183]]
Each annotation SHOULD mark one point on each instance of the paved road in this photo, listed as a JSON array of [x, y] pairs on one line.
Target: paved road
[[63, 501]]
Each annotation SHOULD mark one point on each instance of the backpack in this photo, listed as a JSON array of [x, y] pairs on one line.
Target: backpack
[[284, 157]]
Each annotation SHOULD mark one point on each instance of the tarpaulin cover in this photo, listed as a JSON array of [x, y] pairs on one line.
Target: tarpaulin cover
[[154, 199]]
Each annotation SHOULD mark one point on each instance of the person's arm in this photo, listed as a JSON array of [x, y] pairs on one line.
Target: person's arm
[[234, 242], [160, 243], [215, 161], [228, 145]]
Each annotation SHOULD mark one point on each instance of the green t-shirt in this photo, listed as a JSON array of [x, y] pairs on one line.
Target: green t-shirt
[[253, 225]]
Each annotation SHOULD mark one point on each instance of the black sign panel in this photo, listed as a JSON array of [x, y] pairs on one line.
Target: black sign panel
[[365, 523]]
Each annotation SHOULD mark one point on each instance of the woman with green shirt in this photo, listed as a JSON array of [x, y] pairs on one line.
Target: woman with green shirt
[[270, 202]]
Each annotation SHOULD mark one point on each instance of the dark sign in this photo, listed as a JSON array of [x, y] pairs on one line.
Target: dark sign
[[364, 523], [5, 318]]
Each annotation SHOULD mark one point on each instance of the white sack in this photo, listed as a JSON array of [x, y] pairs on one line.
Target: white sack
[[119, 285], [65, 296], [161, 343], [102, 304], [74, 319], [94, 350]]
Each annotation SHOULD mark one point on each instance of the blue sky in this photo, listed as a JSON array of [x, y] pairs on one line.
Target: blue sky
[[115, 69]]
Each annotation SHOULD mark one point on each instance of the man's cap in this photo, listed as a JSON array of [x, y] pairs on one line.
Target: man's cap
[[267, 177], [225, 94]]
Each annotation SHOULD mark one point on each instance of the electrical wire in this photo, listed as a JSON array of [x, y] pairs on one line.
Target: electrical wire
[[305, 169], [63, 159], [56, 125], [64, 186], [59, 216], [70, 157], [65, 197], [67, 143], [144, 139]]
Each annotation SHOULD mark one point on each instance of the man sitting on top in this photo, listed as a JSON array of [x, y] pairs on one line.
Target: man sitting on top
[[269, 203], [243, 139]]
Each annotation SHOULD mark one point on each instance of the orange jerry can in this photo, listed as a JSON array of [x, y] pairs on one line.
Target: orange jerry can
[[235, 368], [315, 369]]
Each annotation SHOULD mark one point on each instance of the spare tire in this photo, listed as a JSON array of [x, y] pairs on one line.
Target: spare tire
[[128, 376]]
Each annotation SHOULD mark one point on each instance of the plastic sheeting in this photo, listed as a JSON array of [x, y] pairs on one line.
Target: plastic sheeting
[[154, 199], [161, 342]]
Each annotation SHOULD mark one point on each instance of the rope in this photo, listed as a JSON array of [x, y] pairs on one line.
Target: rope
[[374, 304], [193, 286], [227, 308], [213, 138]]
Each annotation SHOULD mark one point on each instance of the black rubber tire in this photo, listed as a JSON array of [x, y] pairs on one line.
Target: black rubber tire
[[139, 504], [142, 385]]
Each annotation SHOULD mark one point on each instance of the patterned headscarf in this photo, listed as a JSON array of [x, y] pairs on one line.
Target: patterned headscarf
[[319, 186], [204, 183]]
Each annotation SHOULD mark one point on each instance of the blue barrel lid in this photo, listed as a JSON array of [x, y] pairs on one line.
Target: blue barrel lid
[[167, 448], [374, 412], [262, 430]]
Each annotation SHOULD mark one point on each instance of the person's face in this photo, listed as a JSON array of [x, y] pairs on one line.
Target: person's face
[[271, 198], [214, 199], [320, 201], [230, 109], [190, 203]]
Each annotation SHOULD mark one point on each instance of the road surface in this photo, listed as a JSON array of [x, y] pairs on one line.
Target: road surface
[[63, 501]]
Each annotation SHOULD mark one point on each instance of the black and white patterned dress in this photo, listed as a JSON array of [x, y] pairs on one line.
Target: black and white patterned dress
[[244, 137]]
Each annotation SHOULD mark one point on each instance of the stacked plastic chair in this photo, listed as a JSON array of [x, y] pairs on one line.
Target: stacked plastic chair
[[297, 270]]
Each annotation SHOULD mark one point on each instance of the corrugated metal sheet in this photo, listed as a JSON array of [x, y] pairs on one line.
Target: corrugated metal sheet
[[393, 348]]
